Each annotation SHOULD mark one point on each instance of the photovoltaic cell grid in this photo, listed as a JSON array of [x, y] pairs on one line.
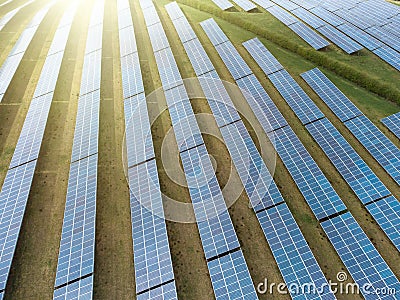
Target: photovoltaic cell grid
[[264, 3], [127, 41], [291, 251], [82, 290], [327, 16], [132, 83], [214, 32], [282, 15], [385, 36], [360, 36], [235, 63], [315, 187], [246, 5], [341, 106], [308, 18], [377, 144], [365, 184], [163, 292], [286, 4], [169, 72], [391, 56], [359, 255], [223, 4], [298, 100], [393, 124], [267, 62], [13, 60], [13, 197], [340, 39], [183, 28], [231, 278], [153, 264], [309, 36], [386, 213], [91, 72], [76, 256], [198, 57]]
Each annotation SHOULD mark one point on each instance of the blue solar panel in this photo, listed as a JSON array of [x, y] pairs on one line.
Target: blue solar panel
[[289, 5], [340, 39], [124, 19], [246, 5], [79, 290], [353, 18], [386, 213], [365, 184], [214, 33], [263, 107], [87, 126], [360, 36], [298, 100], [30, 139], [292, 253], [392, 57], [153, 264], [183, 27], [341, 106], [233, 61], [308, 18], [76, 255], [377, 144], [360, 257], [392, 28], [48, 77], [282, 15], [264, 3], [175, 12], [94, 38], [198, 57], [139, 142], [267, 62], [223, 4], [13, 198], [231, 278], [215, 226], [312, 183], [7, 72], [393, 124], [309, 36], [385, 36], [132, 83], [164, 292], [127, 41], [307, 4], [158, 38], [91, 72], [327, 16], [169, 72]]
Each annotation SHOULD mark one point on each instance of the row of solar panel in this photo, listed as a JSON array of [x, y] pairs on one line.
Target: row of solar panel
[[294, 156], [75, 266], [365, 184], [154, 274], [8, 16], [228, 270], [393, 124], [15, 190]]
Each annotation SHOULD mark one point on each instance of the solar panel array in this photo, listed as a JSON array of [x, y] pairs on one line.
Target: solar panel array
[[75, 267], [16, 187], [14, 58], [393, 124], [376, 143], [154, 276], [223, 4], [8, 16], [246, 5], [321, 197]]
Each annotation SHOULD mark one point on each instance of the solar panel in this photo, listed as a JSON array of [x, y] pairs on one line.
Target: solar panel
[[164, 292], [59, 40], [94, 38], [267, 62], [341, 106], [393, 124], [359, 255], [124, 18], [151, 16], [298, 100], [231, 278], [264, 3], [184, 29], [307, 4], [392, 28], [327, 16], [76, 254], [308, 18], [377, 144], [263, 107], [312, 183], [215, 226], [132, 83], [295, 260], [352, 18], [253, 173], [8, 16], [386, 213], [91, 72], [82, 289], [340, 39], [198, 57], [30, 139], [282, 15], [13, 198], [127, 41], [365, 184], [214, 32], [153, 264], [289, 5], [7, 72], [97, 14], [49, 75], [175, 12], [87, 126], [246, 5], [139, 142], [169, 72], [360, 36], [385, 36], [223, 4], [233, 61], [309, 36], [392, 57], [158, 38]]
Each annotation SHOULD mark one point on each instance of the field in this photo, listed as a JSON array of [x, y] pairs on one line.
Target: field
[[35, 261]]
